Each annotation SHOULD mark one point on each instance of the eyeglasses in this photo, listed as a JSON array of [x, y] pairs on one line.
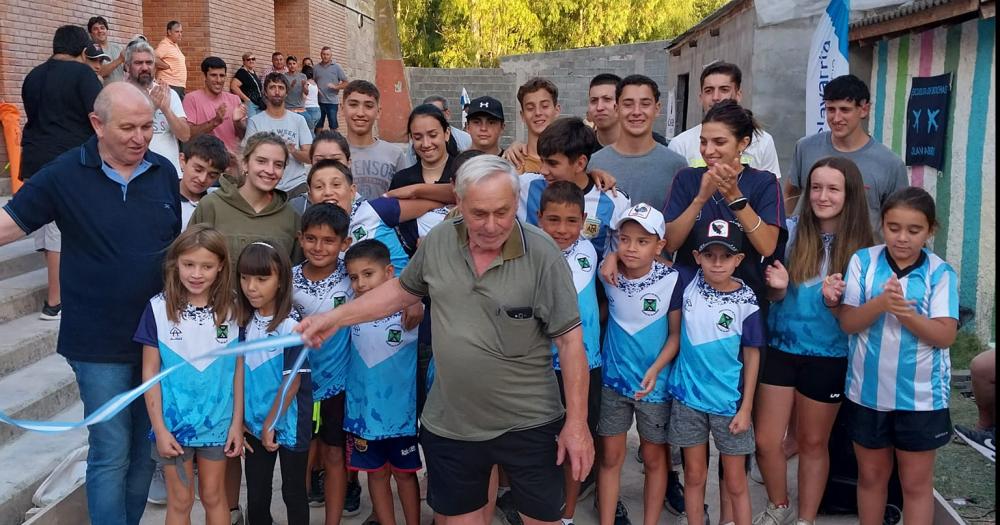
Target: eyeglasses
[[251, 59]]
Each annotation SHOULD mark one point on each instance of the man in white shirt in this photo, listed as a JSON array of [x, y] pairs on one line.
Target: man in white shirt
[[169, 120], [721, 81]]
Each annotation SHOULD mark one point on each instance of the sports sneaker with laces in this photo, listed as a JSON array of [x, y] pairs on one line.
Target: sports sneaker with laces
[[508, 512], [674, 499], [621, 514], [317, 487], [158, 487], [51, 313], [352, 500], [983, 440], [775, 515]]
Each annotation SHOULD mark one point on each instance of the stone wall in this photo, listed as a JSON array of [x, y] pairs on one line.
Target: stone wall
[[424, 82]]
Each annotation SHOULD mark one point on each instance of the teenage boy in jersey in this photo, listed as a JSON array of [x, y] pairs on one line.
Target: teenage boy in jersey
[[561, 215], [848, 103], [539, 100], [602, 109], [381, 405], [643, 168], [203, 161], [722, 81], [373, 160], [642, 338], [565, 148], [485, 124]]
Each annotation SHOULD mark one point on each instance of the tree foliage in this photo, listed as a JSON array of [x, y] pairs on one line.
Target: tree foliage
[[476, 33]]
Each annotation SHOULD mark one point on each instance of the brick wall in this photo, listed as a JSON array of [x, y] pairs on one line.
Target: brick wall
[[237, 27], [424, 82], [291, 22], [193, 16]]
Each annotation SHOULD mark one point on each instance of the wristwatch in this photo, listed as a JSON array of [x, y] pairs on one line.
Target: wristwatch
[[738, 204]]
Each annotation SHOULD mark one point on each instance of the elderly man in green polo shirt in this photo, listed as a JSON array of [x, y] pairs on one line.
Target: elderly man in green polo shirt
[[502, 295]]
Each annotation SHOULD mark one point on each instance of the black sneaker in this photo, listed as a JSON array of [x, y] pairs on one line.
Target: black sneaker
[[508, 512], [50, 313], [317, 489], [352, 500], [621, 514], [674, 499], [982, 440]]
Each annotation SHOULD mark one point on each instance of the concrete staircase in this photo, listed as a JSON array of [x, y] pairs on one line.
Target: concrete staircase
[[35, 383]]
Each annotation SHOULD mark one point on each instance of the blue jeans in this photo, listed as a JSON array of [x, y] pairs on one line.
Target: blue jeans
[[312, 116], [328, 112], [119, 468]]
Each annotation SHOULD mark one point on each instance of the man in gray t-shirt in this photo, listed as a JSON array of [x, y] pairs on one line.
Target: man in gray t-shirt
[[296, 85], [330, 78], [291, 127]]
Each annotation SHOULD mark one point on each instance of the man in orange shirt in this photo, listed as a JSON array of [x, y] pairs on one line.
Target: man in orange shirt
[[170, 53]]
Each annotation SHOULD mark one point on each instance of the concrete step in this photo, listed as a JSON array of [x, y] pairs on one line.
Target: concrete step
[[19, 257], [28, 460], [26, 340], [36, 392], [22, 294]]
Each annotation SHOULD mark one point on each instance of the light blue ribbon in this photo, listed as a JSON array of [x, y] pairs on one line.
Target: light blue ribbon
[[121, 401]]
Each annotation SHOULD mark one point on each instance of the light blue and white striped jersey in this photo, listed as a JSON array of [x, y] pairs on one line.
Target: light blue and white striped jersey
[[382, 380], [197, 399], [638, 327], [264, 372], [582, 260], [377, 219], [888, 367], [601, 207], [800, 324], [715, 326], [329, 363]]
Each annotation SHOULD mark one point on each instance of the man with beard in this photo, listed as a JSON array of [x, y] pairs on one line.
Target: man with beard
[[291, 127], [214, 110], [169, 121]]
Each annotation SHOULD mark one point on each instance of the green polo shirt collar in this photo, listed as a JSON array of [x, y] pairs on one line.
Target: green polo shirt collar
[[514, 247]]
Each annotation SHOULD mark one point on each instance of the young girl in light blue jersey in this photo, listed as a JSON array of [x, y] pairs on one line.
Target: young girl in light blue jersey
[[197, 410], [807, 359], [899, 303]]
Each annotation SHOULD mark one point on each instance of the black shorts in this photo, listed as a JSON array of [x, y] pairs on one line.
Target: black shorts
[[818, 378], [331, 430], [903, 429], [458, 472], [593, 398]]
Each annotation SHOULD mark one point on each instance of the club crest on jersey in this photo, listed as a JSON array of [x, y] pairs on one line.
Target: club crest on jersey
[[584, 263], [650, 304], [176, 334], [359, 233], [591, 227], [339, 300], [394, 336], [726, 318], [360, 444], [222, 333]]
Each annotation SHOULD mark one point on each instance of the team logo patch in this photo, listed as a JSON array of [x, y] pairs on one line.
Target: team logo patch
[[359, 233], [360, 444], [394, 336], [222, 333], [640, 211], [176, 334], [650, 304], [339, 300], [726, 319], [584, 263], [718, 228], [591, 227]]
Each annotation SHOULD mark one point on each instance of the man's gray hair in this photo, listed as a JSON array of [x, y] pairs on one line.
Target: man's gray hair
[[114, 92], [138, 46], [484, 167], [437, 98]]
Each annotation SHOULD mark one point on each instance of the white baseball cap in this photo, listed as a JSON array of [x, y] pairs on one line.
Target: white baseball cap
[[647, 216]]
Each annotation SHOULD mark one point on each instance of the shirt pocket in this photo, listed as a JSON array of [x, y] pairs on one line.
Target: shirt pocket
[[518, 329]]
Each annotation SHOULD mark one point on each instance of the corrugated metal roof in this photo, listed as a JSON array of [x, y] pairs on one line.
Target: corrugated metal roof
[[876, 16]]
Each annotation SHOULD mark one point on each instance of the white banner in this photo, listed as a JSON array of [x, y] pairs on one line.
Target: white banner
[[827, 60], [777, 11], [464, 101]]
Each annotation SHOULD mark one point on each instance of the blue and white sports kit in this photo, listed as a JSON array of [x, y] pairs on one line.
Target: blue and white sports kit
[[582, 260], [329, 364], [377, 219]]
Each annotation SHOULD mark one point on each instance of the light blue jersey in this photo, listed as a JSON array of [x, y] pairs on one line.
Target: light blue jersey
[[715, 326], [377, 219], [889, 368], [197, 399], [601, 207], [329, 363], [582, 260], [800, 324], [382, 380], [638, 327], [265, 370]]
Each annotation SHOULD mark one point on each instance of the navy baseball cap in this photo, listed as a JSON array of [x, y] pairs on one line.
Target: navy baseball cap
[[723, 233], [485, 106]]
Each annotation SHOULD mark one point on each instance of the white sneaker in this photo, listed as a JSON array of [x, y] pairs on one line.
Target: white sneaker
[[755, 470], [236, 516], [158, 487], [804, 522], [775, 515]]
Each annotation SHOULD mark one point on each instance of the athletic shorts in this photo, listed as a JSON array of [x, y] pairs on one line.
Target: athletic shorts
[[903, 429], [331, 429], [216, 453], [458, 472], [593, 397], [690, 427], [617, 411], [369, 455], [818, 378], [48, 238]]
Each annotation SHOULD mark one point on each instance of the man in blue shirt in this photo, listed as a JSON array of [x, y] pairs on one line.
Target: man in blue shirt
[[119, 205]]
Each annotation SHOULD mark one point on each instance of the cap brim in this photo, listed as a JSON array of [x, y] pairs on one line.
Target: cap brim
[[725, 244]]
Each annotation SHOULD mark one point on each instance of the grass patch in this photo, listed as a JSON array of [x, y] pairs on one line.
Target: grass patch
[[961, 472], [966, 346]]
